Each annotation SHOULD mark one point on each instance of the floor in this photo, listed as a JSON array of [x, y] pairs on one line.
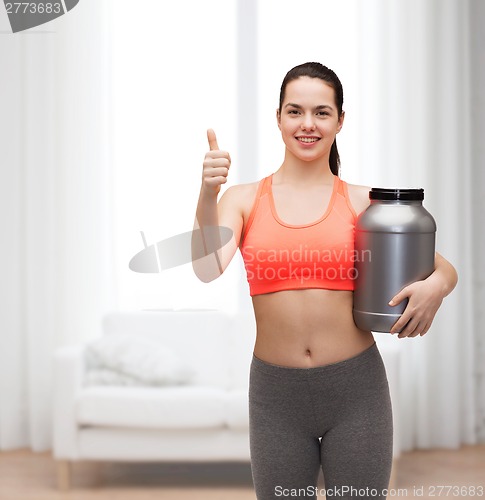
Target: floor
[[32, 476]]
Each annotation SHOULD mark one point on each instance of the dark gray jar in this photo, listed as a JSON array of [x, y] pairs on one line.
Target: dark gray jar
[[394, 247]]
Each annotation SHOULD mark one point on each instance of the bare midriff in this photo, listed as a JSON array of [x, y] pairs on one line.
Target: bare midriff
[[307, 327]]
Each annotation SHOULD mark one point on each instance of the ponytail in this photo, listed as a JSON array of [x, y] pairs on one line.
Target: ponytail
[[334, 159]]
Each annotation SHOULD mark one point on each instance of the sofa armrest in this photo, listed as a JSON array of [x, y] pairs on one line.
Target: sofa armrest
[[69, 370]]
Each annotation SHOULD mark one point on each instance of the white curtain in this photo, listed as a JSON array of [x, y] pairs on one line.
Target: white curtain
[[55, 208], [477, 77], [415, 123]]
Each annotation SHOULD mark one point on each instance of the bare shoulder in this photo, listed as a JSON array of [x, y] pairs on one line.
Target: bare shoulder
[[241, 195], [241, 190], [359, 197]]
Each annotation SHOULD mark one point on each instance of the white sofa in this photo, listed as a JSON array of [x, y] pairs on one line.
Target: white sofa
[[205, 420]]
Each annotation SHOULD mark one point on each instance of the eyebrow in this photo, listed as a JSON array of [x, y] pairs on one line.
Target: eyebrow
[[322, 106]]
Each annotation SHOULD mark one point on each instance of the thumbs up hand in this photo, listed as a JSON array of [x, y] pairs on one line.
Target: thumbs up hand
[[216, 166]]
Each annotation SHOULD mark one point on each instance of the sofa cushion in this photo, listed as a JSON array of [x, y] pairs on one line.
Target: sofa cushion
[[136, 360], [199, 338], [241, 344], [181, 407]]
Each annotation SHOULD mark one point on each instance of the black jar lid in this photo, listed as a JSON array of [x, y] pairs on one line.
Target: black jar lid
[[396, 194]]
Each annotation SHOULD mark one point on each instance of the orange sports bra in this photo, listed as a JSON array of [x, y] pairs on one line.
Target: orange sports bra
[[280, 256]]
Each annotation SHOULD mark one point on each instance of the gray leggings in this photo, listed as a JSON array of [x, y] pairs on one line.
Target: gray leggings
[[336, 416]]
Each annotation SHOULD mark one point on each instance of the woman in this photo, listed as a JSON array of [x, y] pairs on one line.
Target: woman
[[318, 392]]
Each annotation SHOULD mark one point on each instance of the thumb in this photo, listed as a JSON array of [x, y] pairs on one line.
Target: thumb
[[211, 137]]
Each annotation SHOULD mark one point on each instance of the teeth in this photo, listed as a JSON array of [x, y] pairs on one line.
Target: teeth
[[308, 139]]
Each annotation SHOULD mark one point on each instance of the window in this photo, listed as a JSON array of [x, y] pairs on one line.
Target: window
[[180, 68], [174, 76]]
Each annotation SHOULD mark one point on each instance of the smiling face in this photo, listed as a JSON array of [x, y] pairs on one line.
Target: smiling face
[[309, 119]]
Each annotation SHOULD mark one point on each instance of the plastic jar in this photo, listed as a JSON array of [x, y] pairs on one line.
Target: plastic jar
[[394, 247]]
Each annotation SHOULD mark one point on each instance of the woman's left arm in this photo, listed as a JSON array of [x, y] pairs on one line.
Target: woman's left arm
[[425, 298]]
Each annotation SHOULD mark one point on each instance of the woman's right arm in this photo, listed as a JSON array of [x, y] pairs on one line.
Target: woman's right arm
[[214, 220]]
